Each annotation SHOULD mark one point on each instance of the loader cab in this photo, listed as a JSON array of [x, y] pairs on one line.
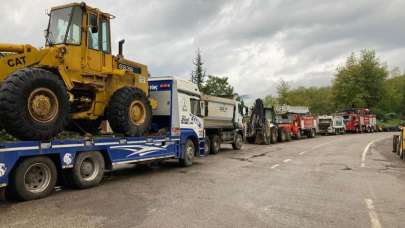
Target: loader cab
[[85, 32]]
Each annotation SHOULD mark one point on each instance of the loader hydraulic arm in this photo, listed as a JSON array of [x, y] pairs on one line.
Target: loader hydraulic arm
[[16, 48]]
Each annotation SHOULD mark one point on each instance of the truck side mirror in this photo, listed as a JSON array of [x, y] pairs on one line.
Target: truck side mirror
[[202, 108]]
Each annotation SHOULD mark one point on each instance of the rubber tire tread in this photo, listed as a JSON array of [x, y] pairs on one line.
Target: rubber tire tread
[[117, 112], [76, 181], [14, 95], [214, 150], [16, 189], [185, 162], [236, 146]]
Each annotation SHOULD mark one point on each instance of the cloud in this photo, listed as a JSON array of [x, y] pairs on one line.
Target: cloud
[[255, 43]]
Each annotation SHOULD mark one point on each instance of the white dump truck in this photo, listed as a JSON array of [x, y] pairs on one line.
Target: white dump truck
[[331, 124], [222, 123]]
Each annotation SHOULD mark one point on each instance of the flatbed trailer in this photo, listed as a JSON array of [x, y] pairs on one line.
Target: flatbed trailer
[[30, 169]]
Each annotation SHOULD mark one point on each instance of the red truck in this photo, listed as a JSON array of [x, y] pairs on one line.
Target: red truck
[[359, 120], [296, 121]]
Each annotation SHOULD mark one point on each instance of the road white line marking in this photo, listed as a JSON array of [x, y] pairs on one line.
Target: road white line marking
[[364, 154], [375, 223], [286, 160], [303, 152], [275, 166]]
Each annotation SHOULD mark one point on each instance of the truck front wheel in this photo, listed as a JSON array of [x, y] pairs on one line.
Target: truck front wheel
[[237, 144], [33, 178], [129, 112], [34, 104], [207, 146], [188, 153]]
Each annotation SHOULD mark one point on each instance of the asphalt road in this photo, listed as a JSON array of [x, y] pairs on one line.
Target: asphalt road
[[321, 182]]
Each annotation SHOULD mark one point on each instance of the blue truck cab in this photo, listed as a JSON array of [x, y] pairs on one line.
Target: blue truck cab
[[30, 169]]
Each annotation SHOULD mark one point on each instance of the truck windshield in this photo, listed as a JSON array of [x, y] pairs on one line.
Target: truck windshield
[[64, 26]]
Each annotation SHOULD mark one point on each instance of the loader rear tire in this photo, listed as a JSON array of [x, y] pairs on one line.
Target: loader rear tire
[[34, 104], [129, 112]]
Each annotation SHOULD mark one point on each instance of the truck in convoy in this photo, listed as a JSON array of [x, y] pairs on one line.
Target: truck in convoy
[[296, 121], [222, 123], [262, 127], [30, 169], [331, 124], [359, 120]]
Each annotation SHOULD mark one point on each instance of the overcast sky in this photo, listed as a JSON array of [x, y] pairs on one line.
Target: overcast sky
[[254, 43]]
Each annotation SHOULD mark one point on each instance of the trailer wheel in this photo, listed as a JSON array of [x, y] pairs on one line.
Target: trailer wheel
[[189, 152], [88, 170], [33, 178], [215, 144], [207, 146], [237, 144]]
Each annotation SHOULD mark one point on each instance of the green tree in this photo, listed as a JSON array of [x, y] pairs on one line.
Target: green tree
[[360, 82], [282, 92], [217, 86], [270, 101], [198, 74]]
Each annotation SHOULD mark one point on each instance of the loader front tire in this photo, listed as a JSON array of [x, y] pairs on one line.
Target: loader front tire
[[34, 104], [129, 112]]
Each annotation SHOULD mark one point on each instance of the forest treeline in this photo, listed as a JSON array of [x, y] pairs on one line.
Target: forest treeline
[[363, 81]]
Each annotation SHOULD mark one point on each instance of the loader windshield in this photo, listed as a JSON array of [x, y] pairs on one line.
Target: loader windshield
[[64, 26]]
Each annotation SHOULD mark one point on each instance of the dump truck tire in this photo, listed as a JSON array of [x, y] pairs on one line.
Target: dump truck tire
[[288, 136], [129, 112], [215, 144], [274, 136], [282, 137], [34, 104], [207, 146], [237, 144]]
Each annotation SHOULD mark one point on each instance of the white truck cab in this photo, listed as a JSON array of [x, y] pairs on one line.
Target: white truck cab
[[182, 99]]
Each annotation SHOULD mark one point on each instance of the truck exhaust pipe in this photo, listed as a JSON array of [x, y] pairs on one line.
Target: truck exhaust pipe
[[120, 44]]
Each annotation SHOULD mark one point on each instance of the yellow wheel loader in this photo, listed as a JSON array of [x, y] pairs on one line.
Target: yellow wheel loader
[[74, 78]]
